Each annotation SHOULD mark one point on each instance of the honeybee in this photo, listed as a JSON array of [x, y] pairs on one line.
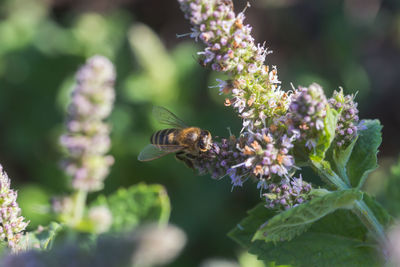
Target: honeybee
[[186, 142]]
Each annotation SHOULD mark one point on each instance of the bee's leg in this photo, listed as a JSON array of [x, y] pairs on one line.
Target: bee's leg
[[190, 156], [180, 155], [189, 160], [183, 157]]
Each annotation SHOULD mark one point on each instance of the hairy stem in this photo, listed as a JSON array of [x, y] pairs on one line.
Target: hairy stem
[[369, 220], [325, 171]]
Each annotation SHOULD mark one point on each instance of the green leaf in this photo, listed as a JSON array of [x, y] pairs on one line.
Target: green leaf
[[318, 249], [248, 260], [136, 205], [390, 197], [340, 158], [293, 222], [244, 231], [42, 238], [338, 239], [363, 159], [325, 140]]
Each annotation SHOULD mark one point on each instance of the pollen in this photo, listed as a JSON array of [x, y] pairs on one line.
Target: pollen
[[256, 145], [251, 100], [248, 151], [273, 128], [304, 126], [236, 83], [258, 170], [227, 102], [206, 36], [279, 159], [231, 54], [266, 138], [239, 24]]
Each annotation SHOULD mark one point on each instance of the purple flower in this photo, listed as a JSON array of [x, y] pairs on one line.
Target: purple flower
[[87, 138], [230, 48], [101, 217], [273, 121], [348, 125], [261, 154], [306, 114], [12, 224], [287, 195]]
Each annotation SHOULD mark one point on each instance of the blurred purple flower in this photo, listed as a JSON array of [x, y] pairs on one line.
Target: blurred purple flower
[[87, 138]]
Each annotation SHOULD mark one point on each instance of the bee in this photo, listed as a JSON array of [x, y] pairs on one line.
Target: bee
[[186, 142]]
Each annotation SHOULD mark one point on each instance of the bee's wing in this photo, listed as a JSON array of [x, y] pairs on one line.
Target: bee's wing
[[166, 117], [151, 151]]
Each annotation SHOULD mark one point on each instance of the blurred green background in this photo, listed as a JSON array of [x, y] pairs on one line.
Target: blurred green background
[[353, 43]]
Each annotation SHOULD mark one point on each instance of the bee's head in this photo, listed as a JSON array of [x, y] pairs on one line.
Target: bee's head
[[205, 141]]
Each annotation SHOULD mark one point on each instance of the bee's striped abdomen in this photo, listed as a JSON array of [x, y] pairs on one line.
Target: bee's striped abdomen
[[160, 138]]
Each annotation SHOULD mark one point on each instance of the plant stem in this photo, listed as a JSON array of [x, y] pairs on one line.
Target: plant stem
[[368, 218], [326, 173], [79, 206], [361, 209]]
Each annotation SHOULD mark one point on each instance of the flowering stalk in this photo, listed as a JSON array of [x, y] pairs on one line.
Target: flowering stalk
[[307, 112], [230, 48], [87, 138], [288, 195], [278, 127], [264, 149], [12, 224], [348, 124]]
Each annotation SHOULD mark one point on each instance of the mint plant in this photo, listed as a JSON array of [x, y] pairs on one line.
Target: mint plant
[[299, 221], [131, 224], [87, 137], [283, 132]]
